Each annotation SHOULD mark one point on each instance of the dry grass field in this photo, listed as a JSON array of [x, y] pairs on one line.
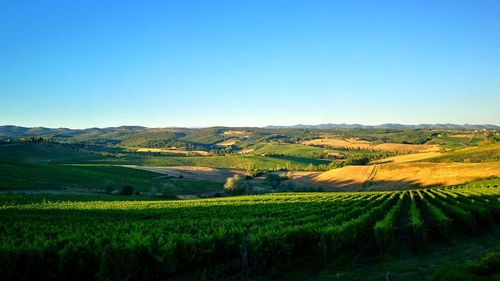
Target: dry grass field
[[228, 142], [235, 133], [407, 158], [170, 151], [366, 145], [346, 176], [430, 174], [399, 175]]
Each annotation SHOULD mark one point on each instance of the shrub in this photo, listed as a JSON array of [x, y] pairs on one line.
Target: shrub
[[167, 190], [235, 184], [286, 186], [287, 176], [273, 180], [251, 171], [109, 186], [356, 161], [486, 268], [153, 191], [127, 190]]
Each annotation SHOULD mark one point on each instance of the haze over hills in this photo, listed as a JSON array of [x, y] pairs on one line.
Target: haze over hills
[[12, 131], [390, 126]]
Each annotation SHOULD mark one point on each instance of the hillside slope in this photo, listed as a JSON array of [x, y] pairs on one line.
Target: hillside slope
[[399, 175]]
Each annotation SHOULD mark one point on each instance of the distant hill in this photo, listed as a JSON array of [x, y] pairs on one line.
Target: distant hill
[[10, 131], [390, 126], [242, 137]]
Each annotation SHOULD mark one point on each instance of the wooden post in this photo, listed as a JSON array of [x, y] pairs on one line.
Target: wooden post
[[324, 251], [244, 258]]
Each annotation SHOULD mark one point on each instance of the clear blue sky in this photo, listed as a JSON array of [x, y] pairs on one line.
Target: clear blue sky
[[248, 63]]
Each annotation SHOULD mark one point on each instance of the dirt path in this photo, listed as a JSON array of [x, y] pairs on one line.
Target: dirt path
[[372, 175], [191, 172]]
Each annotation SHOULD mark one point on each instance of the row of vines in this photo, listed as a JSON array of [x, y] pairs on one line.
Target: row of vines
[[226, 238]]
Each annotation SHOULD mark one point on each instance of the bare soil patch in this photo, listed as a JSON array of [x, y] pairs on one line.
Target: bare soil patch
[[191, 172]]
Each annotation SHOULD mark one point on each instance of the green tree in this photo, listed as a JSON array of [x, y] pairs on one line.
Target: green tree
[[127, 190], [167, 190], [310, 167], [235, 184], [273, 180], [251, 170], [357, 161], [109, 186]]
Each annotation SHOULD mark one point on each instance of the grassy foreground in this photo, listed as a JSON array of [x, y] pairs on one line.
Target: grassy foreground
[[229, 238]]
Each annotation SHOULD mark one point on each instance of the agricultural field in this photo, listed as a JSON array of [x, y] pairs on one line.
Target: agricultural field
[[227, 238], [288, 149], [486, 153], [249, 140], [96, 178], [248, 204], [346, 176], [170, 151], [407, 158], [356, 144], [71, 154], [403, 175], [227, 161], [458, 140], [191, 172]]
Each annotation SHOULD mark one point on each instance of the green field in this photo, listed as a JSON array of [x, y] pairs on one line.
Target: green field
[[457, 143], [288, 149], [71, 154], [228, 161], [63, 218], [48, 153], [26, 176], [487, 153], [25, 166], [257, 236]]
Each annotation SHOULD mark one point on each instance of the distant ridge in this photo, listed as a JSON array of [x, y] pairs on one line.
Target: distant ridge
[[10, 131], [389, 126]]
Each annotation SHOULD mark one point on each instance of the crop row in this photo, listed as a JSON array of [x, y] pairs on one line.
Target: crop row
[[226, 237]]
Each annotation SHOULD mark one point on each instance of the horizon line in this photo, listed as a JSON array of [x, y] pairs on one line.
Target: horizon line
[[260, 127]]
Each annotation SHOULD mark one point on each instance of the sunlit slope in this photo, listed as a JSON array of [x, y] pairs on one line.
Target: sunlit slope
[[402, 175], [430, 174], [346, 176], [488, 153], [407, 157]]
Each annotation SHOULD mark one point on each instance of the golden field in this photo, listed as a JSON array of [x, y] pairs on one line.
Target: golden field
[[407, 157], [400, 175], [366, 145], [170, 151]]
